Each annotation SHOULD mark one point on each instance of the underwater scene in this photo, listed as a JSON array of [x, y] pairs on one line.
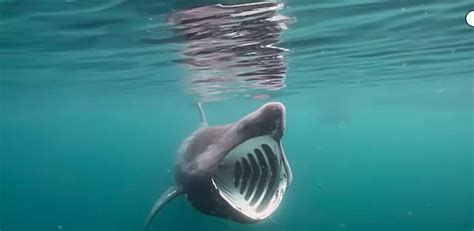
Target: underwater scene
[[285, 115]]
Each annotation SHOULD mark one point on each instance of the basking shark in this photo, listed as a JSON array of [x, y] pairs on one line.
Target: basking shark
[[236, 171]]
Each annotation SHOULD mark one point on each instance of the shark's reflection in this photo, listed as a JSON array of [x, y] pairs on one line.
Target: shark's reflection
[[230, 49]]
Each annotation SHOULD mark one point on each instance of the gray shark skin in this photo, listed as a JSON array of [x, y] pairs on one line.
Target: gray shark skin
[[236, 171]]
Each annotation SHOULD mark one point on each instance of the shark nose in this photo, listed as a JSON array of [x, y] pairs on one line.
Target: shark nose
[[275, 108], [275, 112]]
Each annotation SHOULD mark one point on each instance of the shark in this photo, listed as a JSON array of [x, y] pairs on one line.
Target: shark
[[236, 171]]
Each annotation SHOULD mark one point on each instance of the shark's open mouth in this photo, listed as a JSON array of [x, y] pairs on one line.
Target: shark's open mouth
[[252, 178]]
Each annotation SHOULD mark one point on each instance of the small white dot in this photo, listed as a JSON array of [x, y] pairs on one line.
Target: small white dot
[[426, 13], [148, 31], [470, 18], [60, 227], [150, 18], [403, 9]]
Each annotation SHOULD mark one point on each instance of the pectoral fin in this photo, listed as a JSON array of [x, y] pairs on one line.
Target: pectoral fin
[[169, 195]]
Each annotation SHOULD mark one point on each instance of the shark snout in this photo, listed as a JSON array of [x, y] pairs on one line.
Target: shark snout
[[274, 114], [276, 108], [269, 119], [274, 111]]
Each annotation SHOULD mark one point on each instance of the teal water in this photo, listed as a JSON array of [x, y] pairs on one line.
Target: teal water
[[96, 97]]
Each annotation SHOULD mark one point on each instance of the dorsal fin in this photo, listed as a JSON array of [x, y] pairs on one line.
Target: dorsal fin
[[202, 114], [171, 193]]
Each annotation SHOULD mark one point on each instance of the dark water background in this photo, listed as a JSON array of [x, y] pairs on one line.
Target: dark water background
[[95, 98]]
